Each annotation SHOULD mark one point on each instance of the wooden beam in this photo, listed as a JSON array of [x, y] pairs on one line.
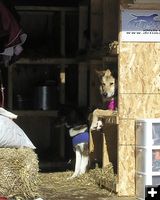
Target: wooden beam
[[45, 8], [110, 20], [82, 86], [83, 25], [47, 61], [96, 23], [10, 87], [63, 33], [105, 157]]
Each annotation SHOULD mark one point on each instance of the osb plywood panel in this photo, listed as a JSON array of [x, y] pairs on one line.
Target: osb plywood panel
[[139, 68], [133, 106], [127, 132], [126, 174]]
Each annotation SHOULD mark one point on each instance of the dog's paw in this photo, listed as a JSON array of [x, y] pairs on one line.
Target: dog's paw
[[99, 125], [93, 126], [75, 175]]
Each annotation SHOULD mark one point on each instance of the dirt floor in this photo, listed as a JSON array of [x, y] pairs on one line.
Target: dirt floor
[[57, 186]]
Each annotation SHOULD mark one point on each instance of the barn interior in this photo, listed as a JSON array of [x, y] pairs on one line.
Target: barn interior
[[67, 40]]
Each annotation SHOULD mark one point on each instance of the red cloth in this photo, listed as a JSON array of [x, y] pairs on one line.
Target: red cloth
[[3, 198], [10, 25]]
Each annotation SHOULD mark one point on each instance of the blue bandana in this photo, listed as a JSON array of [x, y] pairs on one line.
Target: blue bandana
[[80, 138]]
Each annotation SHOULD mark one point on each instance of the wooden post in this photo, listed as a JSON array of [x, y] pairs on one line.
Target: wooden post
[[110, 20], [105, 157], [96, 23], [82, 86], [63, 33], [10, 87], [62, 101], [62, 84], [83, 25]]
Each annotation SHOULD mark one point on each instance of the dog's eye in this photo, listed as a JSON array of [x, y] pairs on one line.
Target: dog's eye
[[111, 83]]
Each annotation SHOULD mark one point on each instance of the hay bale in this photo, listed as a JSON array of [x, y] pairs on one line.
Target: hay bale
[[105, 177], [19, 173]]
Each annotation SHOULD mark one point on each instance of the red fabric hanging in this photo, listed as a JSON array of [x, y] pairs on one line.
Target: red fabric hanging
[[10, 26]]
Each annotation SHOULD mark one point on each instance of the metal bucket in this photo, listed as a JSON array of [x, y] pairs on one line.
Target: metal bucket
[[45, 97]]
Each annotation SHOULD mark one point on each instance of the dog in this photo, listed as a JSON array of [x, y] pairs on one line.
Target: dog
[[75, 121], [108, 91], [143, 21], [148, 19]]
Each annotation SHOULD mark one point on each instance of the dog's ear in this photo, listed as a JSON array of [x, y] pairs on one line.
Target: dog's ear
[[107, 73], [100, 73]]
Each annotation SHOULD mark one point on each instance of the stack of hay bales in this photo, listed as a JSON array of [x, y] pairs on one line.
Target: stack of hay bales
[[18, 173], [18, 161]]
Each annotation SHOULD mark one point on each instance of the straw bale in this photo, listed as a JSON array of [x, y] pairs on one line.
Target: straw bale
[[105, 177], [19, 173]]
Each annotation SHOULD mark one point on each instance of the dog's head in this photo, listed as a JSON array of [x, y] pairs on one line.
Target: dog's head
[[71, 116], [107, 84]]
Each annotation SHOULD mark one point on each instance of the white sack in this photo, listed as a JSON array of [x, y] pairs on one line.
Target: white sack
[[11, 135], [7, 113]]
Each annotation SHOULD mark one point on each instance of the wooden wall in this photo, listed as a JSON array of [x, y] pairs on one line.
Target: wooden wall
[[110, 20], [104, 21], [139, 95]]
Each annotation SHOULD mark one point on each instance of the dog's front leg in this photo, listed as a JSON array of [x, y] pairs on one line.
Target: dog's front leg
[[78, 162], [94, 120], [84, 164]]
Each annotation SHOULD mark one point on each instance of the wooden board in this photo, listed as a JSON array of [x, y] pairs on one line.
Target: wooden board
[[110, 143], [139, 68], [103, 142], [138, 97], [110, 20], [96, 23], [95, 98], [133, 106], [95, 148], [126, 167], [127, 132]]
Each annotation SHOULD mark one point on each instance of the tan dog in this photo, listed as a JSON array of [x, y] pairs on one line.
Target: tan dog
[[107, 89]]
